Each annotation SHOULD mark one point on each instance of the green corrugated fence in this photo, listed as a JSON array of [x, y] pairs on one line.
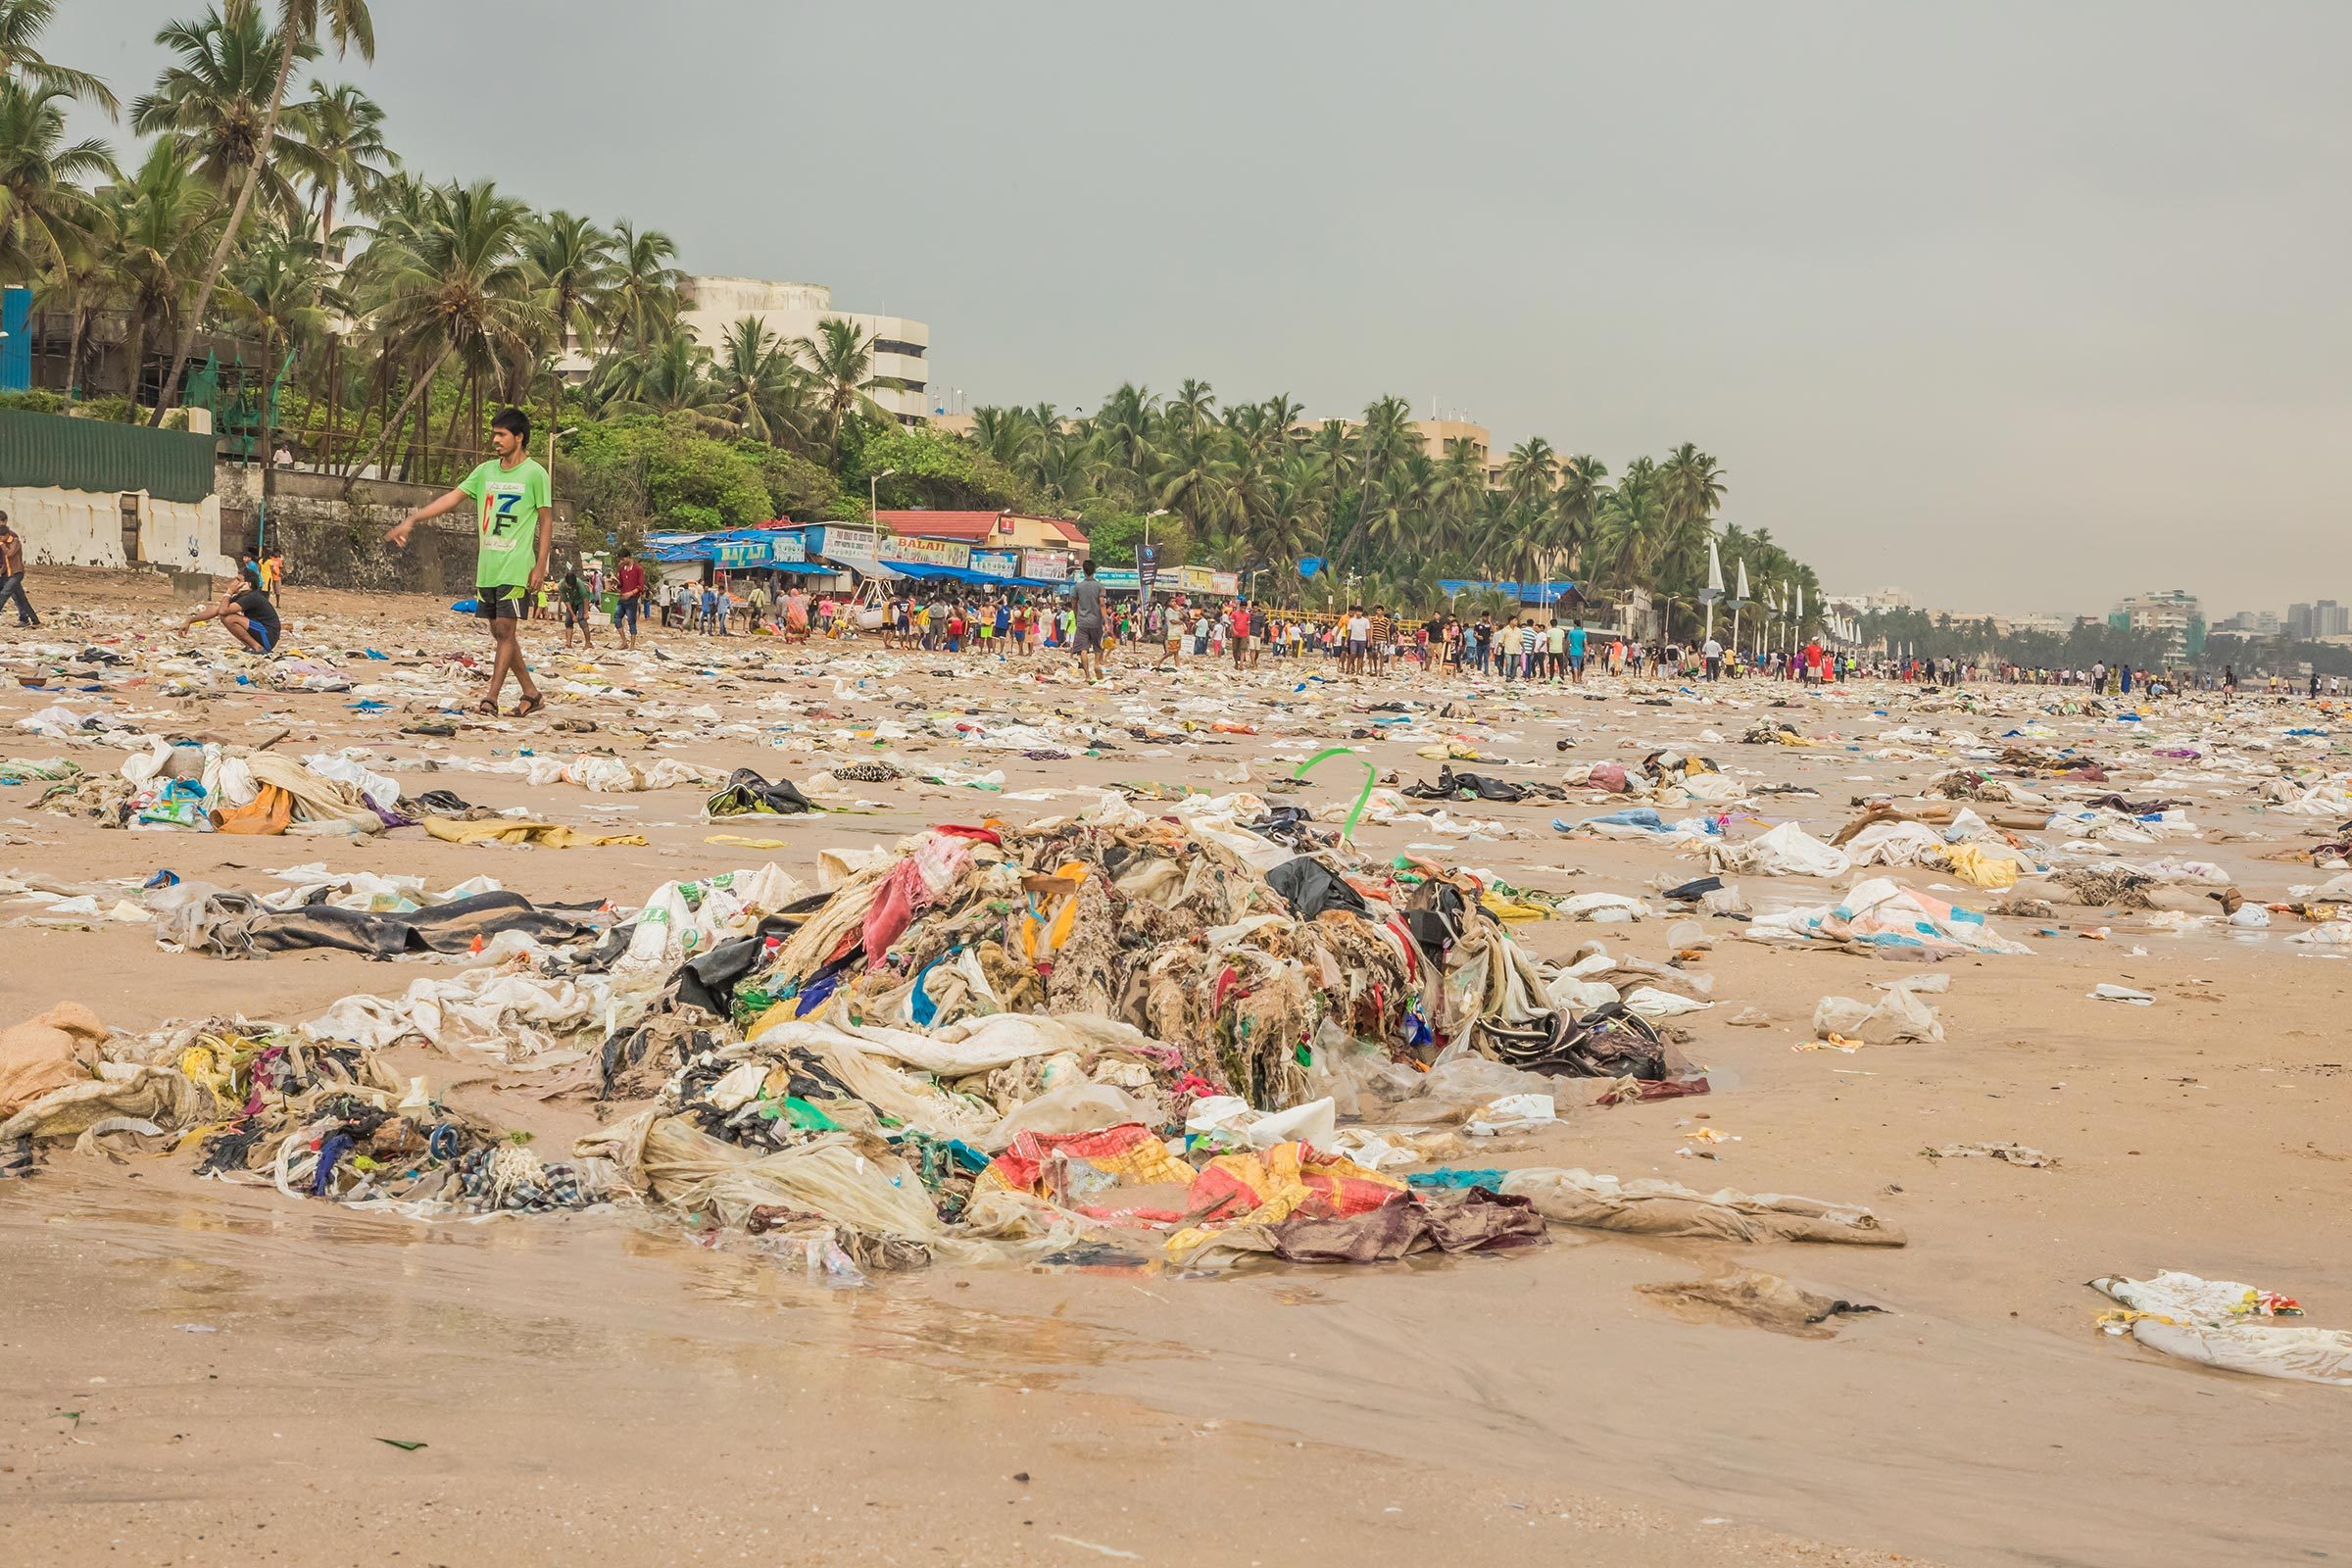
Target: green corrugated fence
[[50, 448]]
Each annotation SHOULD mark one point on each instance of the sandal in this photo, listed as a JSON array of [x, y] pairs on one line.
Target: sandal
[[531, 705], [487, 706]]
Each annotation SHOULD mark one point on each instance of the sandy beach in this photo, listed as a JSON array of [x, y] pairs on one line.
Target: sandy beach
[[200, 1371]]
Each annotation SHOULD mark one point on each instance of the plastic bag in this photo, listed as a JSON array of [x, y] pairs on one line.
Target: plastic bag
[[1899, 1015]]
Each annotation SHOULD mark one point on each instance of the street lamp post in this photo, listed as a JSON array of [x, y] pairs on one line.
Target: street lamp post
[[873, 508]]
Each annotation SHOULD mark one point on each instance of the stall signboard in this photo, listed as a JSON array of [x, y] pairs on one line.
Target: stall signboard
[[863, 550], [997, 562], [1228, 583], [1053, 565], [1117, 581], [1196, 579], [740, 553], [854, 547], [926, 551]]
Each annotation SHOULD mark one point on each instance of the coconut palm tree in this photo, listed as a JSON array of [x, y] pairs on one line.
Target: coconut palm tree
[[21, 23], [344, 130], [573, 270], [281, 284], [646, 286], [840, 358], [214, 99], [1529, 473], [671, 377], [44, 208], [760, 390], [301, 23], [159, 224], [1194, 404], [1576, 506], [453, 283]]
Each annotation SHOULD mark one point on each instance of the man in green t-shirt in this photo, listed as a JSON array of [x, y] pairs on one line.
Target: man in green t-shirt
[[515, 526]]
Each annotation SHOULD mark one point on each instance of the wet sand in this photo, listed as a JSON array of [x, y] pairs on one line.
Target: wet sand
[[602, 1385]]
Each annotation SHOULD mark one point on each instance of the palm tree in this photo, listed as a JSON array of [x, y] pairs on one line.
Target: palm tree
[[672, 376], [21, 23], [573, 267], [42, 207], [1456, 492], [760, 391], [1690, 483], [344, 130], [453, 283], [840, 358], [300, 22], [645, 302], [160, 222], [214, 100], [1193, 404], [282, 284], [1528, 473], [1576, 506]]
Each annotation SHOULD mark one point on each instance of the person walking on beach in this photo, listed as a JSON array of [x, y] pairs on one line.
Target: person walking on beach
[[11, 575], [515, 533], [629, 596], [1086, 617], [575, 608]]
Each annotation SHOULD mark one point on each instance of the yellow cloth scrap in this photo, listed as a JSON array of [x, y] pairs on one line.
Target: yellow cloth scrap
[[1511, 909], [742, 842], [509, 830], [1977, 868]]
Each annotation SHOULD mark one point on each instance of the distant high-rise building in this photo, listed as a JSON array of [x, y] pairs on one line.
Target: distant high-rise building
[[2329, 619], [2298, 623]]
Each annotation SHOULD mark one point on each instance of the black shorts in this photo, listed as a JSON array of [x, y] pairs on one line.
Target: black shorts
[[501, 601]]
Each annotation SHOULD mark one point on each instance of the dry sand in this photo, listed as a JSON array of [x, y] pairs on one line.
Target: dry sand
[[191, 1372]]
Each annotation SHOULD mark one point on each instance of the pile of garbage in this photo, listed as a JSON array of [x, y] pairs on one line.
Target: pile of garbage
[[1102, 1031]]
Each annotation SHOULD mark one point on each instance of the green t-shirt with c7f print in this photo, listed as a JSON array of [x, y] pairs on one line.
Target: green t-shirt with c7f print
[[507, 525]]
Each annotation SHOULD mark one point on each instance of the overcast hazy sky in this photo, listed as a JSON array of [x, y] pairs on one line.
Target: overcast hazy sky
[[2015, 306]]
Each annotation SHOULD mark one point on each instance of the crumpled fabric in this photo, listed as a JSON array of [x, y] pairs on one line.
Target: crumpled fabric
[[910, 887], [1265, 1187], [233, 925], [1882, 913], [510, 830], [490, 1014], [46, 1053], [747, 794], [324, 802], [1643, 1208], [2221, 1323], [159, 1095], [271, 812], [1481, 1221], [1786, 850]]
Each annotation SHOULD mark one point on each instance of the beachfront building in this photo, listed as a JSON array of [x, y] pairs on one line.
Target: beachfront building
[[2174, 611], [902, 346]]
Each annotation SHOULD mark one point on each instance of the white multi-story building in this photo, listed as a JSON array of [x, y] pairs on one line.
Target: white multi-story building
[[900, 347], [2175, 612]]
